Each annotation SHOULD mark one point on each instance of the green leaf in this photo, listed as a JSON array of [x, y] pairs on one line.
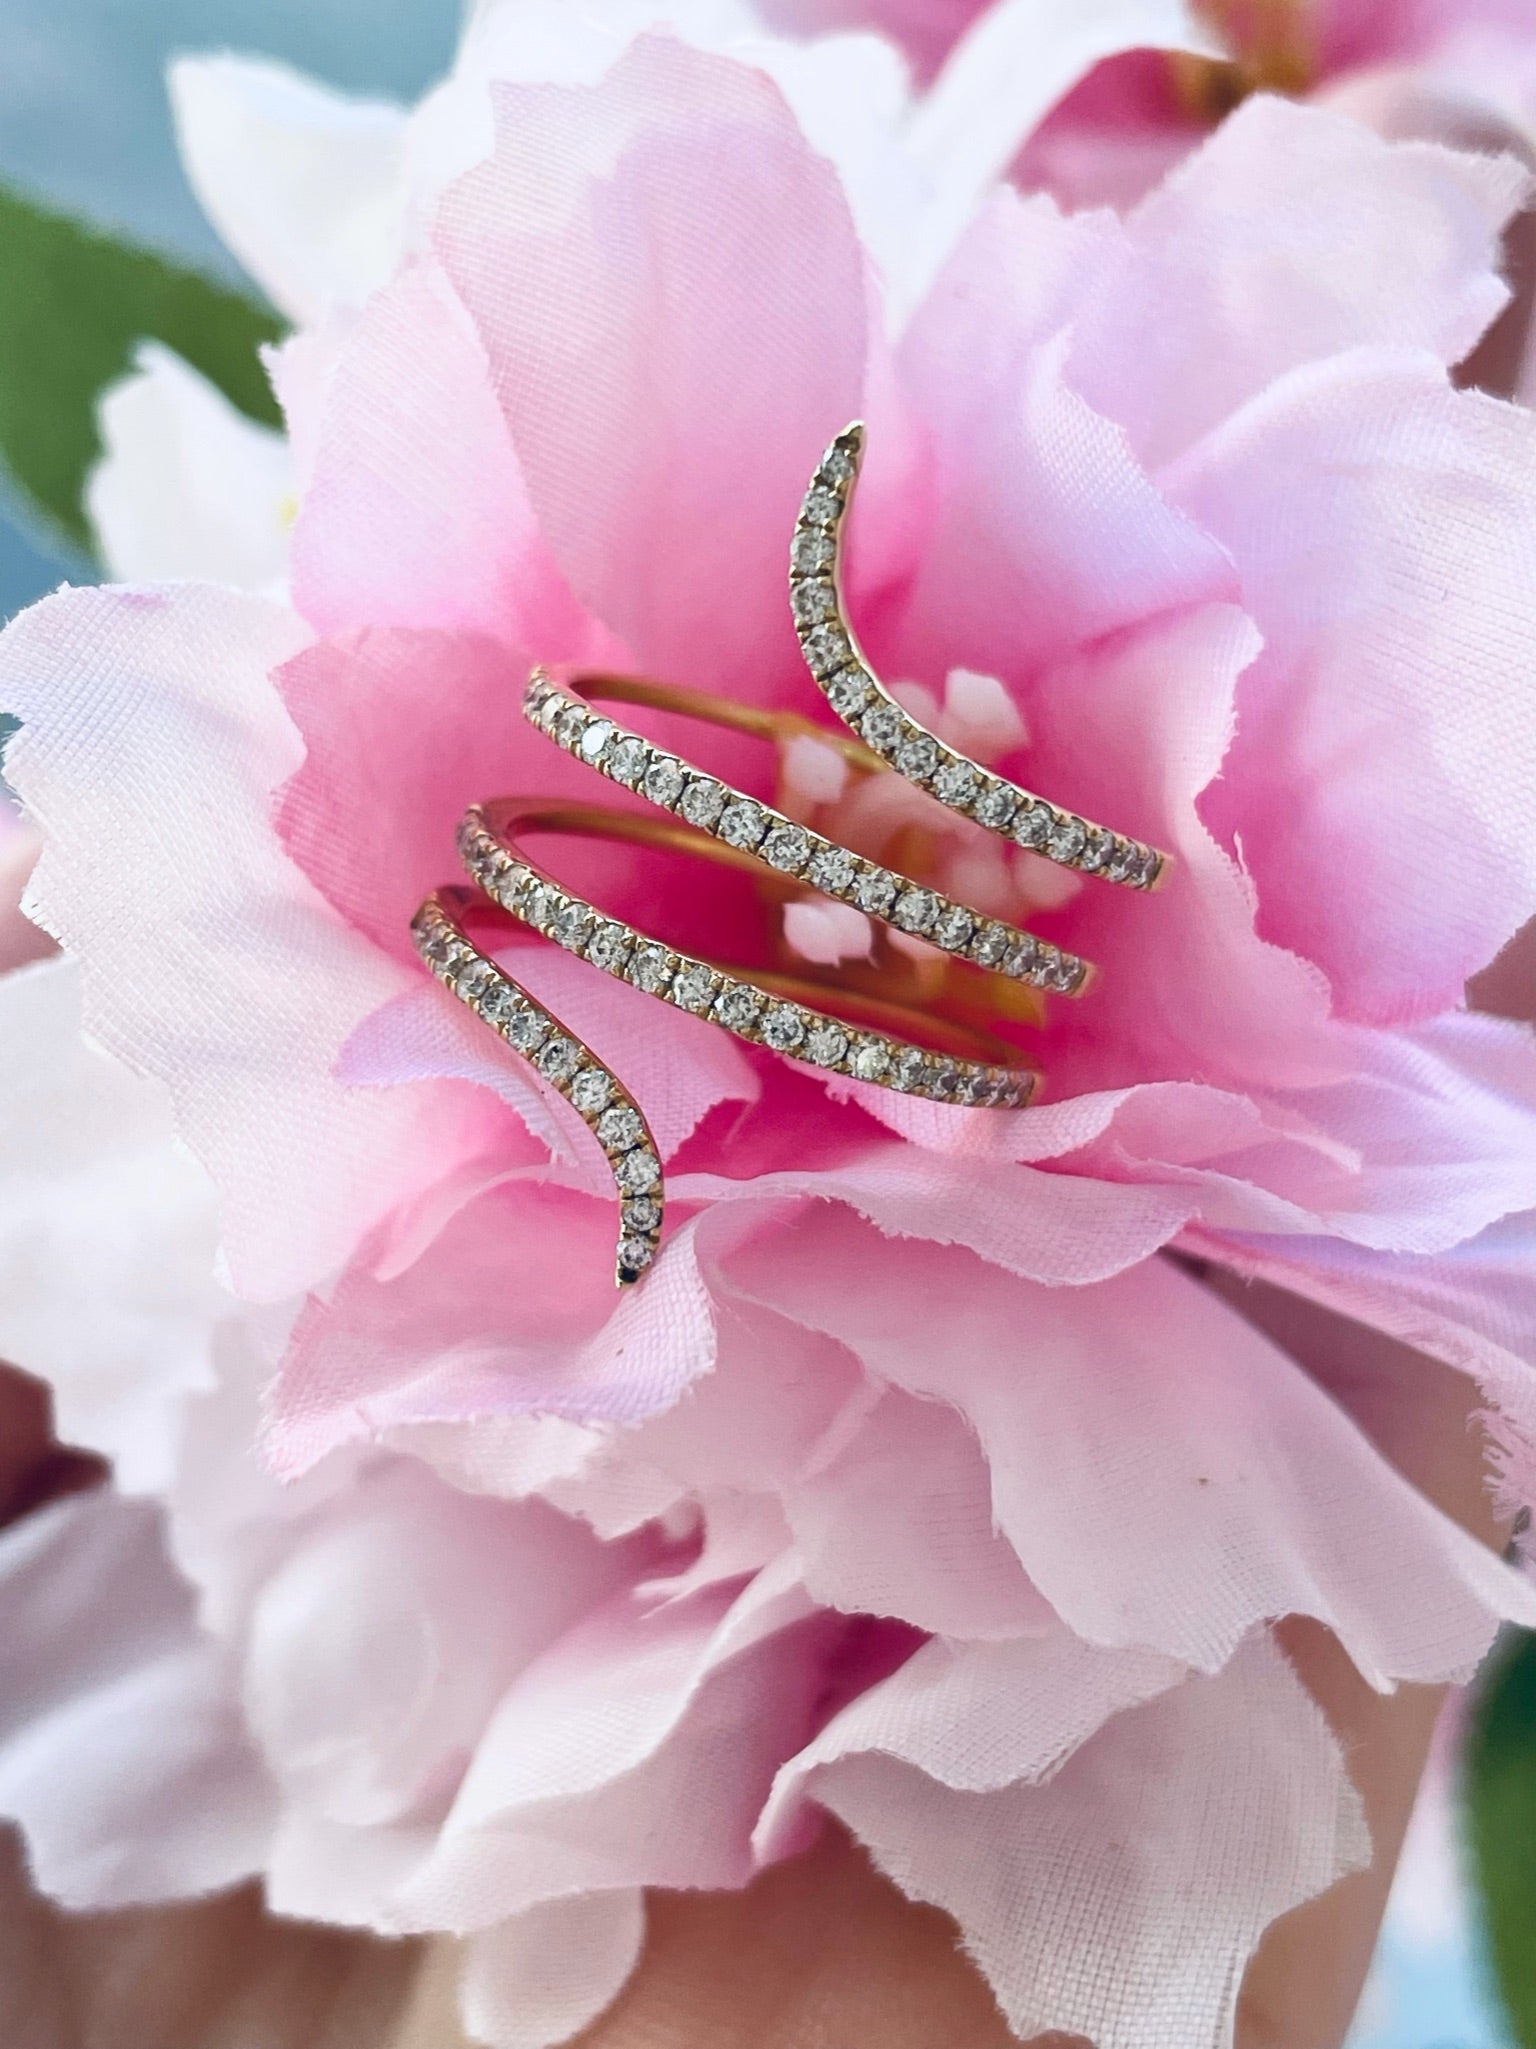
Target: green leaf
[[73, 305], [1500, 1765]]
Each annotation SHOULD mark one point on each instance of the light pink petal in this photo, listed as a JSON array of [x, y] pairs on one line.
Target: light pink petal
[[676, 1065], [1292, 235], [415, 514], [640, 1750], [897, 1519], [122, 1753], [1046, 532], [1473, 1306], [666, 400], [1051, 1227], [1384, 527], [512, 1312], [1131, 732], [975, 1717], [382, 1642], [152, 742], [1167, 1476], [539, 1979], [1121, 1899], [117, 1320]]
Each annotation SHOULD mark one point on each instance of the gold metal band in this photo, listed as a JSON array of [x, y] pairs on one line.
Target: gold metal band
[[931, 1038], [849, 684], [561, 709]]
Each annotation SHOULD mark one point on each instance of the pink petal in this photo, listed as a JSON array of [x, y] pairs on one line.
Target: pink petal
[[1396, 601], [152, 743], [677, 1066], [1180, 1831], [1227, 269], [511, 1312], [666, 400], [1254, 1496], [1046, 533], [639, 1751], [415, 514]]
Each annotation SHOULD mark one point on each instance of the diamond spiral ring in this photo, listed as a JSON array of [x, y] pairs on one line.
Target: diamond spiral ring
[[862, 1024]]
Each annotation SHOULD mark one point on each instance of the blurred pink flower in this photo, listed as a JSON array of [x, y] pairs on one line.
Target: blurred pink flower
[[914, 1484]]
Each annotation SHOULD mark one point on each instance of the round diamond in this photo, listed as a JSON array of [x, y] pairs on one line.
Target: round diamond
[[882, 727], [702, 801], [995, 807], [917, 757], [635, 1255], [990, 947], [571, 724], [915, 909], [626, 760], [876, 892], [694, 987], [620, 1128], [650, 968], [907, 1068], [1068, 838], [813, 551], [434, 943], [1021, 958], [848, 691], [608, 948], [638, 1172], [871, 1057], [943, 1080], [1034, 825], [738, 1006], [596, 737], [558, 1058], [954, 929], [1117, 865], [664, 780], [742, 823], [813, 602], [592, 1091], [836, 466], [642, 1213], [1095, 850], [473, 979], [832, 870], [1147, 865], [821, 506], [571, 925], [826, 649], [784, 1028], [527, 1030], [826, 1043], [955, 784], [499, 1003], [787, 847]]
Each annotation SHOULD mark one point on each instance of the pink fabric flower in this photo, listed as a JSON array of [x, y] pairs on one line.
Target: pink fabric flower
[[915, 1484]]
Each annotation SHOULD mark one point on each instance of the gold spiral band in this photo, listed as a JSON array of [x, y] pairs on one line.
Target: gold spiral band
[[860, 1025]]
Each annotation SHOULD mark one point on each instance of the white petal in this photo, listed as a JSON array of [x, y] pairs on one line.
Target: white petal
[[122, 1753], [187, 487], [539, 1979], [301, 182], [107, 1233]]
